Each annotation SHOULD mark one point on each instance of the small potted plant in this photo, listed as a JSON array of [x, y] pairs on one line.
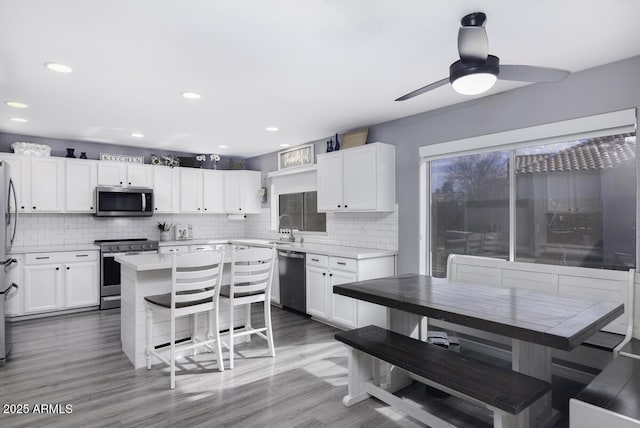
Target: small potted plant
[[165, 229]]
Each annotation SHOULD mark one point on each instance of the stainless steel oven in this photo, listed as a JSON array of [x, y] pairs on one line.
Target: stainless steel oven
[[110, 269]]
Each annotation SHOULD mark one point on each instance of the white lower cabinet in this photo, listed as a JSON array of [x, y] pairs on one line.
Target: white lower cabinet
[[173, 249], [58, 281], [323, 272]]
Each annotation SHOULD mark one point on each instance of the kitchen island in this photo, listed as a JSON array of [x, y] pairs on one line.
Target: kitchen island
[[145, 275]]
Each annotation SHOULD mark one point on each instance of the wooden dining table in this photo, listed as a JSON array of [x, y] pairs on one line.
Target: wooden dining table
[[534, 322]]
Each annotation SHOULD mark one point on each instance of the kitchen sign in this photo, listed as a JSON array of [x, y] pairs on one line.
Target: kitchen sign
[[299, 156]]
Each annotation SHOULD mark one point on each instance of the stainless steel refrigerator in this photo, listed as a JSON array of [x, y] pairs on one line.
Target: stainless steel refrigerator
[[8, 206]]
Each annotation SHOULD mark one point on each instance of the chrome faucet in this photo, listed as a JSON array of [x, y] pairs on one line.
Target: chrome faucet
[[292, 237]]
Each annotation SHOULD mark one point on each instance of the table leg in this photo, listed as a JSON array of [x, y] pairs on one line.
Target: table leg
[[408, 325], [535, 360]]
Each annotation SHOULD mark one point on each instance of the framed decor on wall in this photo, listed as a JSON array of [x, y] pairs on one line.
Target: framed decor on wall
[[296, 157]]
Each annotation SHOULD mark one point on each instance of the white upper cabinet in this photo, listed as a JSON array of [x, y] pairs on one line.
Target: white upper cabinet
[[213, 191], [166, 189], [124, 174], [241, 192], [20, 167], [191, 190], [81, 178], [47, 184], [358, 179]]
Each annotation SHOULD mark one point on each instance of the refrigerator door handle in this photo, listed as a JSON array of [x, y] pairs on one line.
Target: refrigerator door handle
[[8, 290], [12, 189]]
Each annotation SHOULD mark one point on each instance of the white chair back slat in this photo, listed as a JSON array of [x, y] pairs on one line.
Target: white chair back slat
[[257, 277], [196, 276]]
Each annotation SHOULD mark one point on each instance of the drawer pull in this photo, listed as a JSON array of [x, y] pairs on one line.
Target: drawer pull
[[341, 263], [315, 260], [43, 258], [82, 255]]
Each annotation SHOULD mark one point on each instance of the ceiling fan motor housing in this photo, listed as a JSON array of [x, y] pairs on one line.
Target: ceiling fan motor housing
[[460, 69]]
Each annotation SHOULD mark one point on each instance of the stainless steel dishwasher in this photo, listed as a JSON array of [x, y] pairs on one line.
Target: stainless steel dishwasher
[[293, 285]]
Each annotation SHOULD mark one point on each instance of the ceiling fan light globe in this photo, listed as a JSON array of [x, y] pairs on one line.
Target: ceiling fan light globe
[[474, 84]]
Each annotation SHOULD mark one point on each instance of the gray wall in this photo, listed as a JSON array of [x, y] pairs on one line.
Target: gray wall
[[602, 89]]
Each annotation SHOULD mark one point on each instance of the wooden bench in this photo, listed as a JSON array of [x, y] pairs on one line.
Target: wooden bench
[[612, 399], [507, 393], [602, 284]]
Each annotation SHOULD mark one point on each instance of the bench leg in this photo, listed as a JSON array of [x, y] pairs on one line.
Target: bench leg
[[360, 371], [409, 325]]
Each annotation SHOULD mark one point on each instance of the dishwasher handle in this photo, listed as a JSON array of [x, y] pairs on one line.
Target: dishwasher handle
[[291, 254]]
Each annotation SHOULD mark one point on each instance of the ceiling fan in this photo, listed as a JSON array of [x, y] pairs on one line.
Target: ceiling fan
[[476, 71]]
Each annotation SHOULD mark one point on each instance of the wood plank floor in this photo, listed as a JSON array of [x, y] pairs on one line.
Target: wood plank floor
[[77, 359]]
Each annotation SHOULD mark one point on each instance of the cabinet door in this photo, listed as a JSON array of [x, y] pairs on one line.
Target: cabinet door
[[317, 292], [20, 168], [111, 173], [81, 284], [166, 189], [42, 288], [330, 182], [232, 188], [15, 298], [47, 185], [81, 179], [343, 309], [139, 175], [213, 191], [359, 178], [249, 188], [190, 190]]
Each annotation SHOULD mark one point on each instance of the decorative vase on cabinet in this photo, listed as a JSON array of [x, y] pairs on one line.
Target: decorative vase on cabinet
[[70, 153]]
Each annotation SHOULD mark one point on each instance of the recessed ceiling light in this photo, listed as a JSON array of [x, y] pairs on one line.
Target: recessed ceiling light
[[285, 145], [137, 135], [18, 119], [60, 68], [191, 95], [271, 128], [16, 104], [222, 146]]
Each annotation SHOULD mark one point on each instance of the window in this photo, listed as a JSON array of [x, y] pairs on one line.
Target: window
[[302, 210], [578, 204], [562, 193], [469, 207]]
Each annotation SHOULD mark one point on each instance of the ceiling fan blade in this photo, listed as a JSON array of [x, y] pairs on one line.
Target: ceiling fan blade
[[473, 44], [530, 73], [424, 89]]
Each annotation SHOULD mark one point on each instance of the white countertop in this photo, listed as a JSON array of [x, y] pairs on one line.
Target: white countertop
[[53, 248]]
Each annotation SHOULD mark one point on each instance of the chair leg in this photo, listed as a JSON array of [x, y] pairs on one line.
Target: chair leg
[[149, 346], [247, 323], [172, 360], [214, 332], [267, 323], [194, 331], [230, 335]]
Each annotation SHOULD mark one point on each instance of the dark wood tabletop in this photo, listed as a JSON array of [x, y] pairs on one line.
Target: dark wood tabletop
[[550, 320]]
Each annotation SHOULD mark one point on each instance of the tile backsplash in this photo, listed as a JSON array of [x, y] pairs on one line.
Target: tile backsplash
[[370, 230], [65, 229]]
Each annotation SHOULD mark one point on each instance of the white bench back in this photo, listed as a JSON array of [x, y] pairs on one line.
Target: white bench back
[[571, 281]]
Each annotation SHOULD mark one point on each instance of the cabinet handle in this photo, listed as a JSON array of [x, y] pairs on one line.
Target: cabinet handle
[[22, 207], [324, 273], [240, 209], [198, 209], [200, 248], [57, 268], [121, 182], [315, 260], [156, 208], [82, 255], [68, 268], [330, 274], [341, 263], [205, 209], [345, 205], [34, 207], [339, 206], [129, 183], [90, 208], [42, 258]]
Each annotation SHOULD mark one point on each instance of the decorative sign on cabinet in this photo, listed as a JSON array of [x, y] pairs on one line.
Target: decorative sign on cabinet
[[358, 179]]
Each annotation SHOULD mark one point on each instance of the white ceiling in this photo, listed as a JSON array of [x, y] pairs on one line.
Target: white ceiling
[[311, 68]]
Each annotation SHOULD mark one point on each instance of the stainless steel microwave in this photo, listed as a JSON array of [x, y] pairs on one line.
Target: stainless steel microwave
[[118, 201]]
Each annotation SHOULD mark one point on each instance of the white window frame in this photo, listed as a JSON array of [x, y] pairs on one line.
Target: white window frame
[[617, 122]]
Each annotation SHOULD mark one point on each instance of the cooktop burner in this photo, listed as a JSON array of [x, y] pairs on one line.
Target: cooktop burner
[[135, 244]]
